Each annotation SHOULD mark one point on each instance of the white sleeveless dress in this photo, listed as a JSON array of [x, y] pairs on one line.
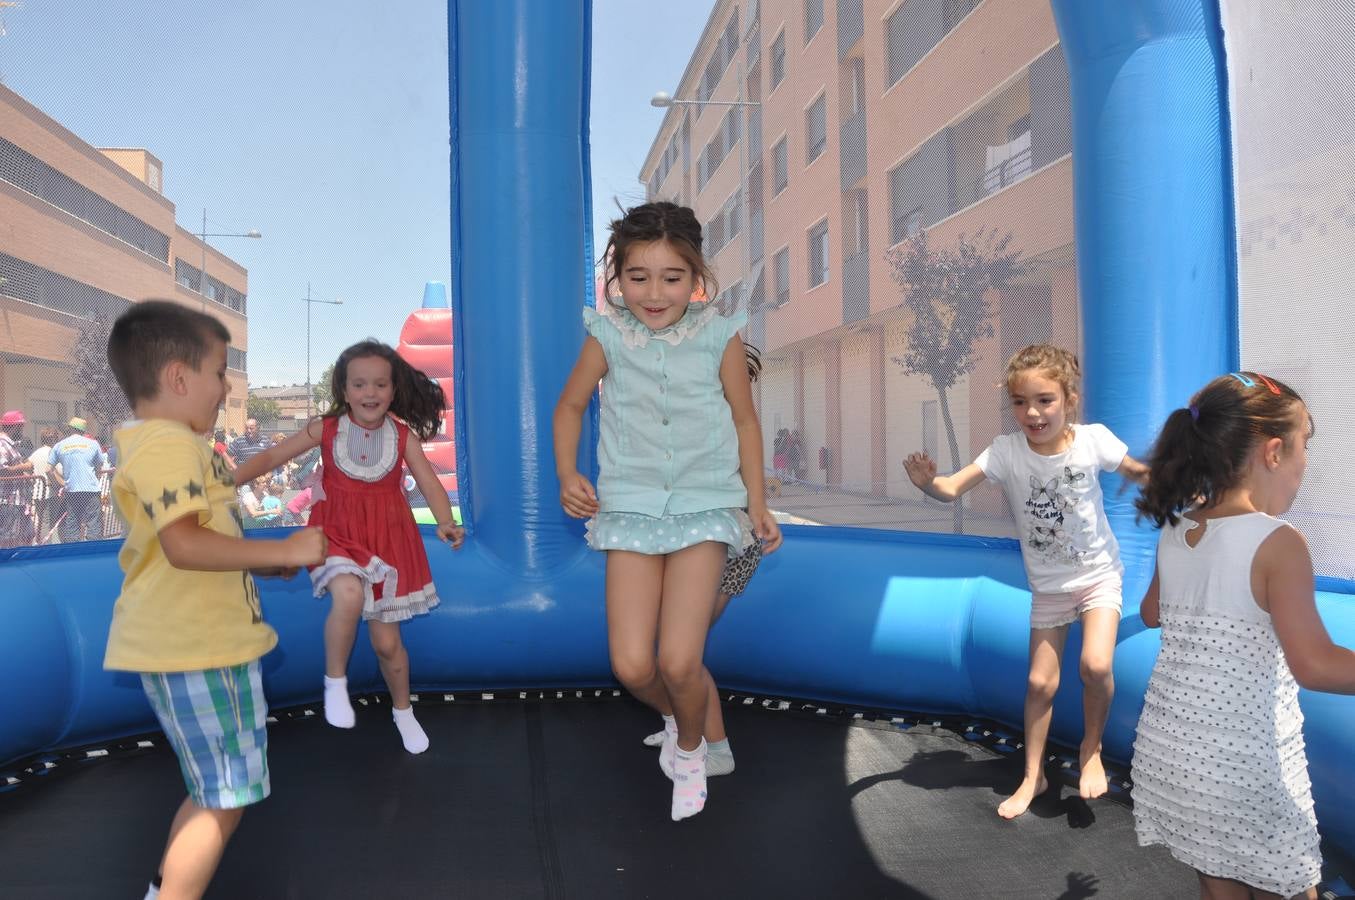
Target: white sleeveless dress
[[1220, 774]]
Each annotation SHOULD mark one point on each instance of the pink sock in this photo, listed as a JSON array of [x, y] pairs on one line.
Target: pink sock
[[689, 781]]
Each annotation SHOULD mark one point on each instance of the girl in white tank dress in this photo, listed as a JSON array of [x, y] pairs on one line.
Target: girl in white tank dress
[[1220, 774]]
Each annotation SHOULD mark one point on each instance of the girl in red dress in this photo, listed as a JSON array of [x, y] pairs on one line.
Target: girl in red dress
[[376, 569]]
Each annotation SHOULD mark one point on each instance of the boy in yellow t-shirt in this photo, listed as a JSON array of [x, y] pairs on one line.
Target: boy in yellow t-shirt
[[188, 617]]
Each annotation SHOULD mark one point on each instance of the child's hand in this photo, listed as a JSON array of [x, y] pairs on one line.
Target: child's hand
[[578, 497], [306, 547], [921, 469], [765, 527], [452, 533]]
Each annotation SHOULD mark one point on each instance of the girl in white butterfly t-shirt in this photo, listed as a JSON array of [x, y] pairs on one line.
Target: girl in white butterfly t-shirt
[[1049, 471]]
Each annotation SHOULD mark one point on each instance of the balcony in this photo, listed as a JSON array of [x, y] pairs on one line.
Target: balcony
[[856, 287], [1007, 165], [852, 150], [851, 24]]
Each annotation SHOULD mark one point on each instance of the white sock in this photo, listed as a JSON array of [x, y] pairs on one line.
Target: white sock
[[689, 781], [668, 746], [656, 739], [338, 709], [719, 758], [411, 732], [152, 893]]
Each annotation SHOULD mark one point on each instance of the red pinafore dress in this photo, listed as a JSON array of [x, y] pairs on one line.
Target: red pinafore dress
[[362, 509]]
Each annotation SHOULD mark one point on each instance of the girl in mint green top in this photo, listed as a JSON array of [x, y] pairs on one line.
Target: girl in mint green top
[[680, 457]]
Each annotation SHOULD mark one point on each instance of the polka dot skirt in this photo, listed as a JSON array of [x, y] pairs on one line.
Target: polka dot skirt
[[1220, 774], [639, 533]]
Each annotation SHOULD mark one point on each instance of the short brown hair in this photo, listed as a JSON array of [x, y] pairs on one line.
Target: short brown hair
[[153, 334]]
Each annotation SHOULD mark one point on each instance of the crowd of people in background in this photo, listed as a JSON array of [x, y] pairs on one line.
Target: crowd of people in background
[[54, 485]]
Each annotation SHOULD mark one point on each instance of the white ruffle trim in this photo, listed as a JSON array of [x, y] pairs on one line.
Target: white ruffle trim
[[635, 334], [387, 440], [393, 606]]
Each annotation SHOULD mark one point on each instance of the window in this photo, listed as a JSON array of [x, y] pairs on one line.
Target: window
[[915, 28], [25, 171], [720, 146], [781, 268], [818, 254], [780, 168], [908, 225], [858, 86], [859, 218], [719, 60], [778, 59], [813, 18], [816, 129]]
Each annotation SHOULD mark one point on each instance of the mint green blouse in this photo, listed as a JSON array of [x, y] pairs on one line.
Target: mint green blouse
[[667, 444]]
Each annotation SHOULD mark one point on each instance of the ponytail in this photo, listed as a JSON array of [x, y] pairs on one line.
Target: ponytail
[[1182, 468], [1202, 450]]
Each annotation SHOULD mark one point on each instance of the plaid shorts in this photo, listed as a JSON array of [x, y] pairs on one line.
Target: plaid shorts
[[215, 720]]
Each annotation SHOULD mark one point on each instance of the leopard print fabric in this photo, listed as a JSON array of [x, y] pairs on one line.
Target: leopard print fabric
[[740, 569]]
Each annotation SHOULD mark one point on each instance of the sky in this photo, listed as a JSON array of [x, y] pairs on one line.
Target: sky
[[324, 126]]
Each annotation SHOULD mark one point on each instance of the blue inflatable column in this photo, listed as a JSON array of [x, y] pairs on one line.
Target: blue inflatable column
[[519, 95], [1153, 215]]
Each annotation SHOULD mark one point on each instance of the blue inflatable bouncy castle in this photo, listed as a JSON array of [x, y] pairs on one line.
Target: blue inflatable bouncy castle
[[840, 619]]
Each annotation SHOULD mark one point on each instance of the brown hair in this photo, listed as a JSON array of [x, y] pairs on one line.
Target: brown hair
[[416, 399], [151, 335], [657, 221], [1056, 364], [1201, 452]]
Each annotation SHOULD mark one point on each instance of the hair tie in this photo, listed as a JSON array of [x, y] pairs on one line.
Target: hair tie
[[1270, 384], [1194, 413]]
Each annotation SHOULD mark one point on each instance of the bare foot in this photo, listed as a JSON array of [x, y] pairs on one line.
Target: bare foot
[[1093, 782], [1019, 802]]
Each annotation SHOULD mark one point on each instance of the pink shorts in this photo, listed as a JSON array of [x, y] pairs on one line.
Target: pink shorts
[[1057, 610]]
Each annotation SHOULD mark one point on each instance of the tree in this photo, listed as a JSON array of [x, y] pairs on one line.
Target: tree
[[264, 409], [320, 389], [948, 292], [104, 402]]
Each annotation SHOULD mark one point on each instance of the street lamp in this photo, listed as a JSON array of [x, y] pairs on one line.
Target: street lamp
[[204, 235], [310, 301], [664, 100]]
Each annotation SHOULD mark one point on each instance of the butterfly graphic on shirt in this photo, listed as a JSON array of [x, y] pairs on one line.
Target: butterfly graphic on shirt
[[1047, 489], [1044, 537], [1073, 479]]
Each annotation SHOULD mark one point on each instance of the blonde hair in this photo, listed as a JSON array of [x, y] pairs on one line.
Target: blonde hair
[[1056, 364]]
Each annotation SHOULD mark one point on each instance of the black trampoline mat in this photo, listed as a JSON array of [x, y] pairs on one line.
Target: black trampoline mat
[[561, 800]]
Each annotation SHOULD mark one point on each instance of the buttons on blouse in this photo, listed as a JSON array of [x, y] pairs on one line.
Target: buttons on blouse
[[665, 420]]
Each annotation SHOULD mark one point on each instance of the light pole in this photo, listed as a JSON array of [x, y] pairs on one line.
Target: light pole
[[204, 234], [310, 301], [663, 100]]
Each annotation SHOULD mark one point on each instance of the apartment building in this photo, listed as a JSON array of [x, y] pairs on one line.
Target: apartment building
[[875, 120], [84, 233]]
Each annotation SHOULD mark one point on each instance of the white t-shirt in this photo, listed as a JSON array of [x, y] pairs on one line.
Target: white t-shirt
[[1066, 542]]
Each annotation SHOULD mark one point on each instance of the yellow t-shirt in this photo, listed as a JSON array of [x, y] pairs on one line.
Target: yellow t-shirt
[[168, 619]]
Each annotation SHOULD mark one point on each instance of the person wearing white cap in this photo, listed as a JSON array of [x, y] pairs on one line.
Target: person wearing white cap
[[81, 460], [13, 468]]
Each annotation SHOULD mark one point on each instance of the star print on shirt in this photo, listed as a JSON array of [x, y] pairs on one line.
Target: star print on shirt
[[194, 490], [169, 498], [149, 508]]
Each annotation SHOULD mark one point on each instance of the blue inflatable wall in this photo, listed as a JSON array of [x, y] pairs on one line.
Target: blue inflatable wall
[[856, 616]]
